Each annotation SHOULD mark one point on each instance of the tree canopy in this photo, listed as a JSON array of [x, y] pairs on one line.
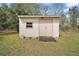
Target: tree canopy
[[9, 13]]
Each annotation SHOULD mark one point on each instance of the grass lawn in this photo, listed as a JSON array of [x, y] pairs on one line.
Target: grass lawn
[[68, 44]]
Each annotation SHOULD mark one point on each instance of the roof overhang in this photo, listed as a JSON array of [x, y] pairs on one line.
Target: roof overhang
[[25, 16]]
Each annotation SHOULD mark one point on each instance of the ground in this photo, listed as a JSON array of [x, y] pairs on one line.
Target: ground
[[68, 44]]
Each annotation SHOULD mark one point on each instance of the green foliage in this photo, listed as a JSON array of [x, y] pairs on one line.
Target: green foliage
[[73, 12], [8, 14], [64, 23], [25, 9], [3, 16]]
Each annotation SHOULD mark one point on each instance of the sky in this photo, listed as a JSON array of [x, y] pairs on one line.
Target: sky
[[66, 6], [69, 5]]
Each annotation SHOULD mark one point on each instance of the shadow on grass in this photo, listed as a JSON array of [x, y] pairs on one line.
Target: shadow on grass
[[47, 39]]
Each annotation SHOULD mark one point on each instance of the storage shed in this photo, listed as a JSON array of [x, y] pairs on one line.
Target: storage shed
[[39, 26]]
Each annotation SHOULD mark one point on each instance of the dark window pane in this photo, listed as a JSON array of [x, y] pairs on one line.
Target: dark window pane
[[29, 24]]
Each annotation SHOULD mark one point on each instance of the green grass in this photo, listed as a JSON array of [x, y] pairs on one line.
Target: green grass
[[68, 44]]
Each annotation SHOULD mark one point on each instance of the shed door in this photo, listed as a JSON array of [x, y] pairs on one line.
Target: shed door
[[45, 27]]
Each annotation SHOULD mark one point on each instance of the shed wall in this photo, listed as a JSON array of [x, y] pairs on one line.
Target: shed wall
[[29, 32], [55, 28], [46, 27], [35, 31]]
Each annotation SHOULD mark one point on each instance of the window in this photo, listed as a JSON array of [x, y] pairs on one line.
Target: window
[[29, 24]]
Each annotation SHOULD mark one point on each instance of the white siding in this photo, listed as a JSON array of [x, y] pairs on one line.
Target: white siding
[[46, 27], [41, 27], [56, 28], [29, 32]]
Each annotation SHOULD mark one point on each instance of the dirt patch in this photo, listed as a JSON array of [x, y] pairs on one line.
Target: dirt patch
[[47, 39]]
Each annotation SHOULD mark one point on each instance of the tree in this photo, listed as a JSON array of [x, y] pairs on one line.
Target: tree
[[3, 16], [25, 9], [9, 13], [22, 9], [52, 9], [64, 24], [73, 12]]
